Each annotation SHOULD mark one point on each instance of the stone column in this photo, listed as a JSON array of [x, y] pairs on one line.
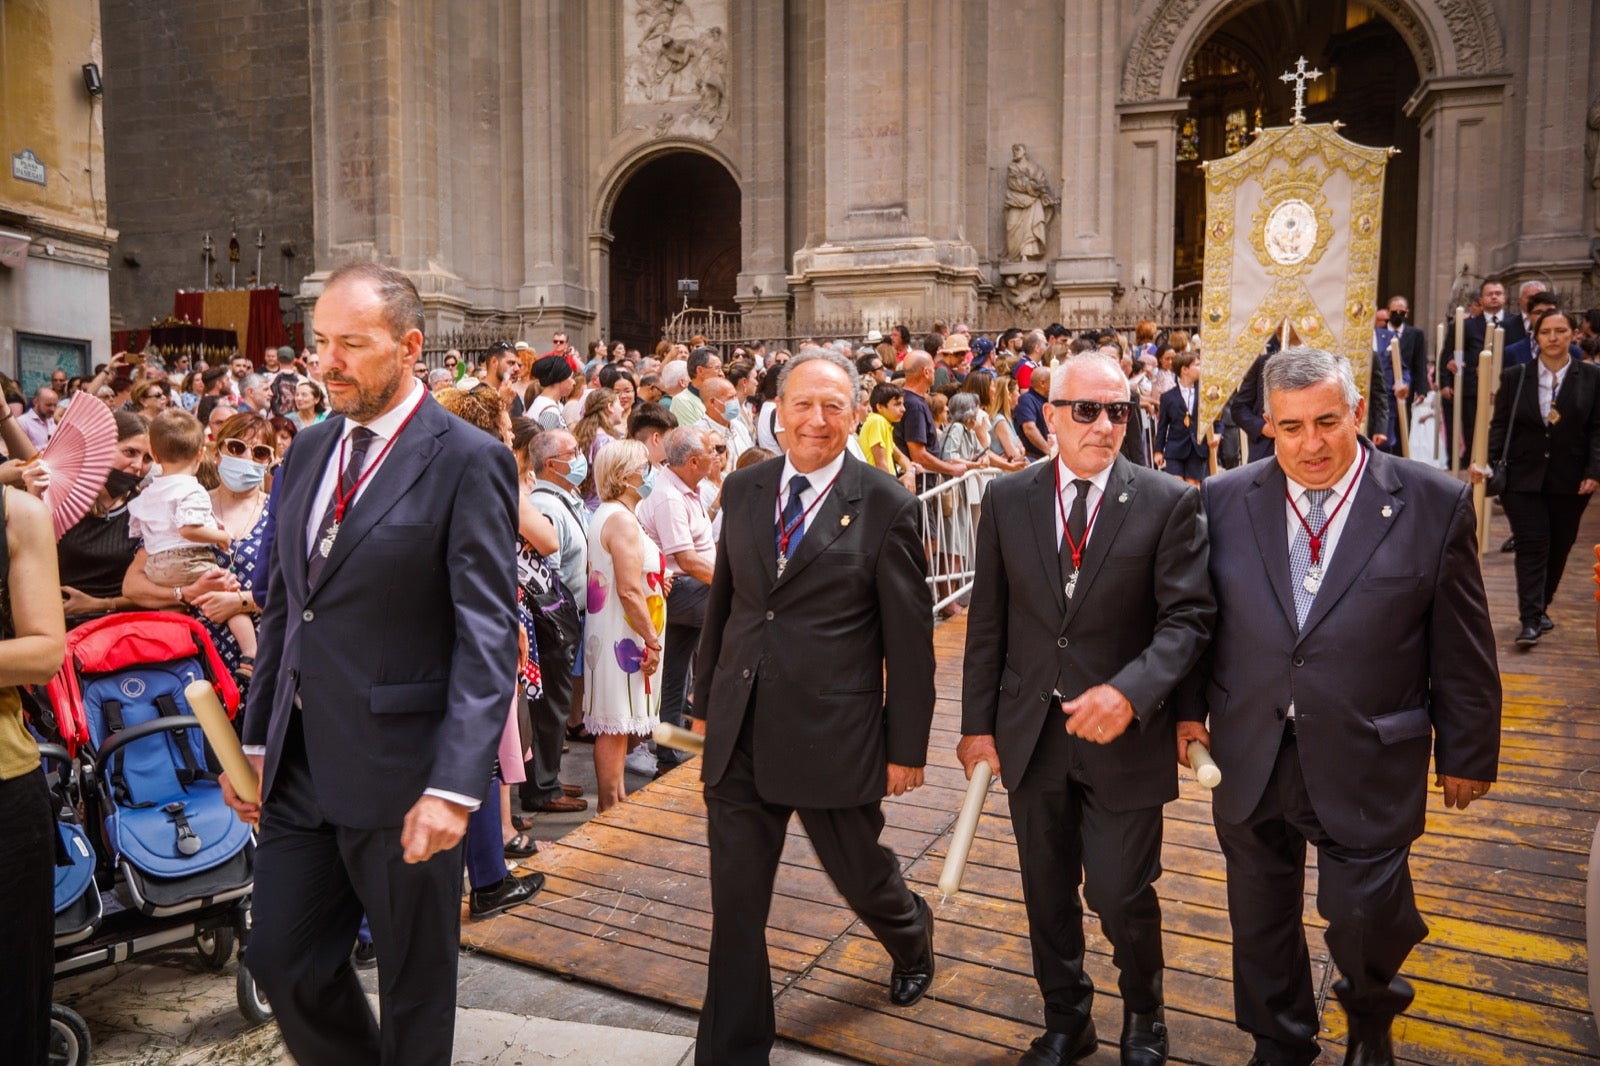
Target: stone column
[[1552, 232], [760, 109], [1462, 218], [1086, 268], [886, 85], [1147, 166]]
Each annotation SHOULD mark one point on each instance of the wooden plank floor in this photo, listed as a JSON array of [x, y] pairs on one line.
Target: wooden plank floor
[[1502, 977]]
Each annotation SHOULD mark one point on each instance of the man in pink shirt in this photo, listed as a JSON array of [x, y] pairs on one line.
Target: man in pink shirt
[[676, 519]]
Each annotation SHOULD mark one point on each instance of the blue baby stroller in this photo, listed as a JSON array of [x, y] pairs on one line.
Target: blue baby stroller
[[155, 858]]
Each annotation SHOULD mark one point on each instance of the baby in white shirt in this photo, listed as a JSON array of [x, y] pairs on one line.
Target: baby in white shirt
[[175, 519]]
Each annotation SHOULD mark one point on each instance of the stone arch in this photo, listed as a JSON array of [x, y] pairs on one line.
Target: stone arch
[[1445, 36], [623, 170]]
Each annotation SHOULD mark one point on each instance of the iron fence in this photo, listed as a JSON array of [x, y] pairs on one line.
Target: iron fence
[[949, 530]]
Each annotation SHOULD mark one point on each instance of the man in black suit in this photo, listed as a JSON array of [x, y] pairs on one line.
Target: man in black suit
[[814, 687], [1090, 602], [385, 671], [1413, 370], [1352, 626], [1250, 403], [1477, 332]]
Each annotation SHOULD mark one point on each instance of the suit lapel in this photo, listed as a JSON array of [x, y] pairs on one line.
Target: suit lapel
[[297, 501], [763, 491], [409, 456], [1042, 520], [1115, 503], [1373, 512], [1269, 521], [826, 523]]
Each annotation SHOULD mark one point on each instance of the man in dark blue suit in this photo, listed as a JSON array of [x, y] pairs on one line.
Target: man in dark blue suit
[[1477, 334], [1352, 627], [382, 685]]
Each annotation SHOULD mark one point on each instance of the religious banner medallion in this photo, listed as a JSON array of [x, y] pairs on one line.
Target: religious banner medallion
[[1292, 240]]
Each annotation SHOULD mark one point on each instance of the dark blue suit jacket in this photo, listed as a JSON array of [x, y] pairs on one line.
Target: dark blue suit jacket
[[1397, 648], [402, 656], [1173, 439]]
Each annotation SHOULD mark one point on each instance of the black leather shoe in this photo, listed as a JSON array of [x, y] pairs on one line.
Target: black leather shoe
[[1545, 625], [1144, 1038], [1059, 1049], [365, 956], [907, 984], [1370, 1044], [1529, 636], [488, 902], [1510, 545]]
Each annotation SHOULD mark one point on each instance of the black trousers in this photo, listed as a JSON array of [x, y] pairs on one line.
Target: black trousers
[[313, 881], [27, 918], [1469, 418], [686, 615], [1067, 836], [548, 715], [1364, 894], [1545, 525], [746, 837]]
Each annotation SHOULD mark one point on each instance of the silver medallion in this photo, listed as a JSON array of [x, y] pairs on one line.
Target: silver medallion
[[1313, 580], [1072, 584], [325, 546]]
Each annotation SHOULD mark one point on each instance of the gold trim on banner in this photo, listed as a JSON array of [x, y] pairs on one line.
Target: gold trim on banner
[[1291, 169]]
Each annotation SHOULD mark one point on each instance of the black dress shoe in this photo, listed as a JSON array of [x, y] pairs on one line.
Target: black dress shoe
[[1370, 1045], [1059, 1049], [510, 891], [365, 956], [1545, 625], [1144, 1038], [908, 983], [1510, 545], [1529, 636]]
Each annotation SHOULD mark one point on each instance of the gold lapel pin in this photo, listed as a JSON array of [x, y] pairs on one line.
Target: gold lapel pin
[[845, 521], [1123, 498], [1388, 512]]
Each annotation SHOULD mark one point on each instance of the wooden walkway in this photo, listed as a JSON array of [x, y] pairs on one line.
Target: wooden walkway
[[1501, 979]]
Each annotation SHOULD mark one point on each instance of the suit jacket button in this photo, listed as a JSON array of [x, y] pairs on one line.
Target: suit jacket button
[[770, 616], [307, 615], [1062, 642], [746, 673], [1044, 697], [1298, 661]]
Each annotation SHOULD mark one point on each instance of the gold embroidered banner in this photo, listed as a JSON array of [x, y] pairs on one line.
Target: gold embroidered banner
[[1292, 237]]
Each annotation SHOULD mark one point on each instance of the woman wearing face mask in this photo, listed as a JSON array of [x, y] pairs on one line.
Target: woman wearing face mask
[[246, 450], [627, 612], [595, 430]]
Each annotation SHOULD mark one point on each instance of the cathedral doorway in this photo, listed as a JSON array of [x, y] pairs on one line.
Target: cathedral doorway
[[1232, 82], [675, 218]]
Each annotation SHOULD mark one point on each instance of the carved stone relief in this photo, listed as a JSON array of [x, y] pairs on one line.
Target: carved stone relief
[[675, 66]]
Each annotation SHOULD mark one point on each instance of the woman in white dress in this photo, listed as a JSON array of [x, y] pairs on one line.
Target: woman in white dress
[[627, 615]]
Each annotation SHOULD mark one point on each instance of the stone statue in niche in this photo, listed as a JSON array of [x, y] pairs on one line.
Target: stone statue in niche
[[1030, 201], [675, 80], [1592, 150], [1027, 291]]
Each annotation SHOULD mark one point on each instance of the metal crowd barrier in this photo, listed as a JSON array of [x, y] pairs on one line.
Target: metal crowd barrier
[[949, 532]]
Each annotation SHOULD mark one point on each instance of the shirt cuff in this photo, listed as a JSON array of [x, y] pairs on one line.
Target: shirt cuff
[[455, 797], [256, 749]]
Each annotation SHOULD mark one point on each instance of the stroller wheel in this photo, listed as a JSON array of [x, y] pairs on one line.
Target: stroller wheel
[[215, 946], [252, 1001], [69, 1037]]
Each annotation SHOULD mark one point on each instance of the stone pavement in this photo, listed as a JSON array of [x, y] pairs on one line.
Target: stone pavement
[[167, 1009]]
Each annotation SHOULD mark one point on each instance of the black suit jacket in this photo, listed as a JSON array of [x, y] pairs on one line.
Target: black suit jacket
[[1140, 614], [1398, 646], [1475, 331], [1173, 439], [1546, 458], [1248, 409], [403, 654], [805, 656]]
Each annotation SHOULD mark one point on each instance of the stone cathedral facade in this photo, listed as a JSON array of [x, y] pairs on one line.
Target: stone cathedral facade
[[564, 164]]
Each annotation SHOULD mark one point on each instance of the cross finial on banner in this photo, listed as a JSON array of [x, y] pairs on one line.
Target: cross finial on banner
[[1298, 77]]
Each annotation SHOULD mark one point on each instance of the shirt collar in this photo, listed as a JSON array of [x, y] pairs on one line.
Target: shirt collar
[[1553, 375], [1099, 480], [670, 477], [1297, 491], [388, 424], [818, 479]]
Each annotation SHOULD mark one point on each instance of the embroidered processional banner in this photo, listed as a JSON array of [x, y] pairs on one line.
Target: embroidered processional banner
[[1292, 241]]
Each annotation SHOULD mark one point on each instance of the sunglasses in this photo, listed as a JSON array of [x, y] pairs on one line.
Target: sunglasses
[[720, 449], [1088, 411], [449, 362], [238, 449]]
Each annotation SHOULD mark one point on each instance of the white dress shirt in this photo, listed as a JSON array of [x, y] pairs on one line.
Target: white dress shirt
[[1550, 385], [819, 484], [1069, 496], [383, 428], [1346, 485]]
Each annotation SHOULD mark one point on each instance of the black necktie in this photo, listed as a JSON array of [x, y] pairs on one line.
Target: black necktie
[[1077, 522], [360, 439], [793, 521]]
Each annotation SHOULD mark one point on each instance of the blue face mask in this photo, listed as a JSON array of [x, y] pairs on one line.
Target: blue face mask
[[647, 482], [577, 469], [240, 475], [730, 411]]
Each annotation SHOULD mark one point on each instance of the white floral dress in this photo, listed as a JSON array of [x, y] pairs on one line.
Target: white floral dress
[[618, 696]]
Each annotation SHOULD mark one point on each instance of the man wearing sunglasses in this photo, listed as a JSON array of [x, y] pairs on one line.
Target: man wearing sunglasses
[[1090, 602]]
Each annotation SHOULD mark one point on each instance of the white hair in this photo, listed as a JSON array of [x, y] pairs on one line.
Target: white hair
[[674, 374], [1082, 361], [812, 355], [1299, 368]]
